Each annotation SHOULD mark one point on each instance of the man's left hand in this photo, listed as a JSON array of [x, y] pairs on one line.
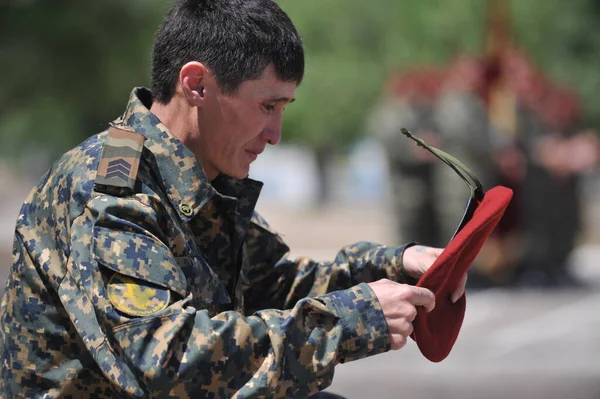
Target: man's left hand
[[419, 258]]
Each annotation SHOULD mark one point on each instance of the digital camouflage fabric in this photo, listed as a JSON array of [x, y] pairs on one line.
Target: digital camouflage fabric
[[160, 284]]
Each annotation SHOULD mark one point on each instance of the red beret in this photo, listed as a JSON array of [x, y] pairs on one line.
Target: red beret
[[435, 332]]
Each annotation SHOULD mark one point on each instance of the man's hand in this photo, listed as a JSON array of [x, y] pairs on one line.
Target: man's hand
[[400, 304], [418, 259]]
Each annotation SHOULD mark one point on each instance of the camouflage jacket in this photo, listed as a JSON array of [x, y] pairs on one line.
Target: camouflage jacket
[[133, 276]]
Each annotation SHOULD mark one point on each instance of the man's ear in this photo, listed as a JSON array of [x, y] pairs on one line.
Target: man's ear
[[192, 78]]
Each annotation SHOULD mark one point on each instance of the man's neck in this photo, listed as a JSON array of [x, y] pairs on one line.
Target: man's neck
[[175, 116], [180, 120]]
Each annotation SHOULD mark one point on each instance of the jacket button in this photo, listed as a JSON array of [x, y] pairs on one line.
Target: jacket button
[[186, 209]]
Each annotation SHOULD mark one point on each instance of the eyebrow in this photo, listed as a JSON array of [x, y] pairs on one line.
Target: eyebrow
[[281, 100]]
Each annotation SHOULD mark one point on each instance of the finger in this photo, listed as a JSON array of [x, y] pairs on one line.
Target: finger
[[411, 314], [436, 252], [422, 297], [397, 341], [400, 326], [460, 291]]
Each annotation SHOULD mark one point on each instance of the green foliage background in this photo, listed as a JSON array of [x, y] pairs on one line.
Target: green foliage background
[[67, 67]]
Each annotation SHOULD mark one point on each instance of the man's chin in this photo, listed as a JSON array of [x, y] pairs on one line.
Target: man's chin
[[240, 174]]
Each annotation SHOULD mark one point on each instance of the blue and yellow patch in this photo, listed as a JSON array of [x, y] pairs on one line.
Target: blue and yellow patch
[[136, 297]]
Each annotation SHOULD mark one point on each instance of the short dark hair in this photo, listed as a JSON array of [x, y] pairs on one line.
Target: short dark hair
[[236, 39]]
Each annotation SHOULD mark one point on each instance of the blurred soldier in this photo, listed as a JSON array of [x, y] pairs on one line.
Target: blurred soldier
[[525, 140], [462, 118], [140, 267], [409, 104], [462, 122], [538, 154], [504, 120], [556, 155]]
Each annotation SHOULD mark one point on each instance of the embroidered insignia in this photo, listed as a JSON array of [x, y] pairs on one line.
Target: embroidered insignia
[[136, 297], [120, 158]]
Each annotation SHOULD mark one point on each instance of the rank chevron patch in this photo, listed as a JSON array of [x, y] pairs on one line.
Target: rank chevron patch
[[119, 168], [120, 158]]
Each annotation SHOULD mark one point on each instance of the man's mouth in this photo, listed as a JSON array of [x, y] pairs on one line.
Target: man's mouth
[[253, 154]]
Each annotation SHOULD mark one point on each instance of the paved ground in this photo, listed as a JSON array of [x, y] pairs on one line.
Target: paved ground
[[513, 344]]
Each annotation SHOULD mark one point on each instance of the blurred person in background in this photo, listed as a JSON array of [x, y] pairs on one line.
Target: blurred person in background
[[140, 268], [409, 103], [548, 155], [507, 122], [536, 151], [461, 116]]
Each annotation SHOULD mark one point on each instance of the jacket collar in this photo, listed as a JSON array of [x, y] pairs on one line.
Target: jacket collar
[[183, 178]]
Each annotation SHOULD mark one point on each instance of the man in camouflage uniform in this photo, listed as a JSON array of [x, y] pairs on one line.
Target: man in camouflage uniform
[[140, 267]]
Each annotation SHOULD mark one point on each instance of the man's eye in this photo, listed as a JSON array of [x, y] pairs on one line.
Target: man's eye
[[269, 107]]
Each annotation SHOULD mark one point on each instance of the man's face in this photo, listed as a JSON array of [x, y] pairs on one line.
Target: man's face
[[236, 128]]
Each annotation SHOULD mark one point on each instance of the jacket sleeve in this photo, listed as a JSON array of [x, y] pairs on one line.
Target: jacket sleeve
[[151, 348], [289, 280]]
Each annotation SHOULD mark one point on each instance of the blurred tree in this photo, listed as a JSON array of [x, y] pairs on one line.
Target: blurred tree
[[563, 40], [350, 47], [67, 67]]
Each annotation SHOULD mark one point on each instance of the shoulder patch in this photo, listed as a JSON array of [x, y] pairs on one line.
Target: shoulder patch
[[120, 159], [136, 297]]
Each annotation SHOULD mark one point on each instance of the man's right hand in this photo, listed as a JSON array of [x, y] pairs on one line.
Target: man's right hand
[[400, 304]]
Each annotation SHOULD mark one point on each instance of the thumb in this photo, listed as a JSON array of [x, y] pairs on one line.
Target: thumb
[[423, 297]]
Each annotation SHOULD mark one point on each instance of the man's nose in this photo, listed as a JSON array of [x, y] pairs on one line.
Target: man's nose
[[272, 134]]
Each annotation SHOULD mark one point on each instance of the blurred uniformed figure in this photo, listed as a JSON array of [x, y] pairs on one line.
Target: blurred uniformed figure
[[537, 152], [556, 153], [515, 128], [409, 103], [463, 127]]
